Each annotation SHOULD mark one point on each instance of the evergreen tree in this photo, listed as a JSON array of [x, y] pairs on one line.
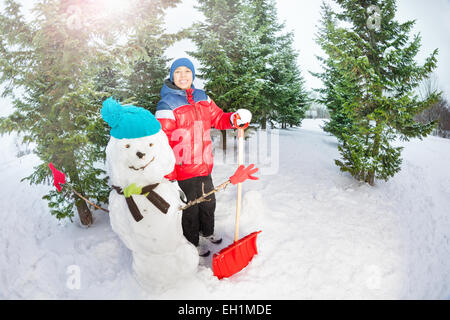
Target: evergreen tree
[[248, 62], [266, 27], [224, 48], [57, 110], [282, 97], [66, 61], [145, 78], [369, 77], [290, 99], [340, 86]]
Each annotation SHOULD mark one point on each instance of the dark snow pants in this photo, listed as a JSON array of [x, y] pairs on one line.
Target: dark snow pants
[[198, 218]]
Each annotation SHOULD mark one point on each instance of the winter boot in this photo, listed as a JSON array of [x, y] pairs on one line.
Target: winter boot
[[213, 238], [203, 251]]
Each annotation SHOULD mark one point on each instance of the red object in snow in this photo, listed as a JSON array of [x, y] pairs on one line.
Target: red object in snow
[[58, 177], [243, 173], [235, 257]]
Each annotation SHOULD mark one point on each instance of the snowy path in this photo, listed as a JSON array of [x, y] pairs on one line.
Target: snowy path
[[324, 234]]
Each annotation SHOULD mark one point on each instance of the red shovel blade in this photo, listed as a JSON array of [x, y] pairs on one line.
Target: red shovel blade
[[235, 257]]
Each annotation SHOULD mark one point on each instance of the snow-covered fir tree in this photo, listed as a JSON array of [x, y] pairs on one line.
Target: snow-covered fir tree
[[370, 77], [248, 61], [290, 98], [224, 49], [66, 60], [146, 75], [282, 97]]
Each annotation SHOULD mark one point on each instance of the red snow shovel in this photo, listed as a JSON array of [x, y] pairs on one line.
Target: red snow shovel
[[237, 256]]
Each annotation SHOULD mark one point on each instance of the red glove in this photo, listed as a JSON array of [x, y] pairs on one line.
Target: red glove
[[58, 177], [243, 173]]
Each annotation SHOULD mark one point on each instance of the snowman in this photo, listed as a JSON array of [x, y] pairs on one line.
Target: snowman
[[144, 206]]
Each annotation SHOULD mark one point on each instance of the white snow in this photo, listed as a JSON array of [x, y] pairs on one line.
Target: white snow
[[324, 235]]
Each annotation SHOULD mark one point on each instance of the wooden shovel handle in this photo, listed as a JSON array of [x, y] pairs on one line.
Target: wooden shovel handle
[[239, 186]]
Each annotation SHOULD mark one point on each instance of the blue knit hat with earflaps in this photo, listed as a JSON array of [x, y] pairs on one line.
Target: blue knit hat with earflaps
[[129, 122]]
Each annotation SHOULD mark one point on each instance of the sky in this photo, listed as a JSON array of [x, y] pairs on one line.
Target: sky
[[302, 17]]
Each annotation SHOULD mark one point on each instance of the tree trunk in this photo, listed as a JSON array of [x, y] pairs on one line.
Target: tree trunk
[[361, 175], [83, 212], [264, 122], [370, 179]]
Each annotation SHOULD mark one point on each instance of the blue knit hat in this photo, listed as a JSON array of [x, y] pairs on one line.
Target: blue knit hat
[[129, 122], [182, 62]]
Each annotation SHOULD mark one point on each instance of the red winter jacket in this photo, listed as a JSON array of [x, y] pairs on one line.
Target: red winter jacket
[[187, 116]]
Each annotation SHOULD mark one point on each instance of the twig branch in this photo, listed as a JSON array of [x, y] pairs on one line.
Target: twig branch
[[204, 196], [82, 197], [187, 206]]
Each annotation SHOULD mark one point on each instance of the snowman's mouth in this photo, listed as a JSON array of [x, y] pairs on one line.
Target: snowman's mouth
[[142, 168]]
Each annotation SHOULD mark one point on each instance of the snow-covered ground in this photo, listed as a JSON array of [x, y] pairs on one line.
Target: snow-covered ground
[[324, 235]]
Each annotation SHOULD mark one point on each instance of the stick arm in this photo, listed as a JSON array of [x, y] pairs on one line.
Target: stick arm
[[206, 195]]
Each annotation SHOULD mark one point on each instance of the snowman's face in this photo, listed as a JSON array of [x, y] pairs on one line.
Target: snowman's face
[[142, 161]]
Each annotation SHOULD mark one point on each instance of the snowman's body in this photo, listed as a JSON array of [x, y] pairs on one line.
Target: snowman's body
[[161, 253], [155, 226]]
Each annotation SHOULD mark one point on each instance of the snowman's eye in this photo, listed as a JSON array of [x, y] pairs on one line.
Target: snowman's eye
[[127, 146], [151, 144]]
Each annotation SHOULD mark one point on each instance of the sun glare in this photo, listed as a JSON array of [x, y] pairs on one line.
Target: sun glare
[[116, 6]]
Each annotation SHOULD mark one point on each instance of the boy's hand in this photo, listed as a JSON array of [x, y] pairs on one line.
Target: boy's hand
[[244, 116]]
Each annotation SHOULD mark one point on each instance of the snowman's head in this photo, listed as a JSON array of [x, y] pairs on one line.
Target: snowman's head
[[142, 161], [138, 151]]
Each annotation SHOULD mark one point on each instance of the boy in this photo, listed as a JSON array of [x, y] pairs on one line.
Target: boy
[[186, 115]]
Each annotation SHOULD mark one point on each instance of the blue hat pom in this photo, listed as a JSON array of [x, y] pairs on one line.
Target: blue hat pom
[[129, 122], [112, 112]]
